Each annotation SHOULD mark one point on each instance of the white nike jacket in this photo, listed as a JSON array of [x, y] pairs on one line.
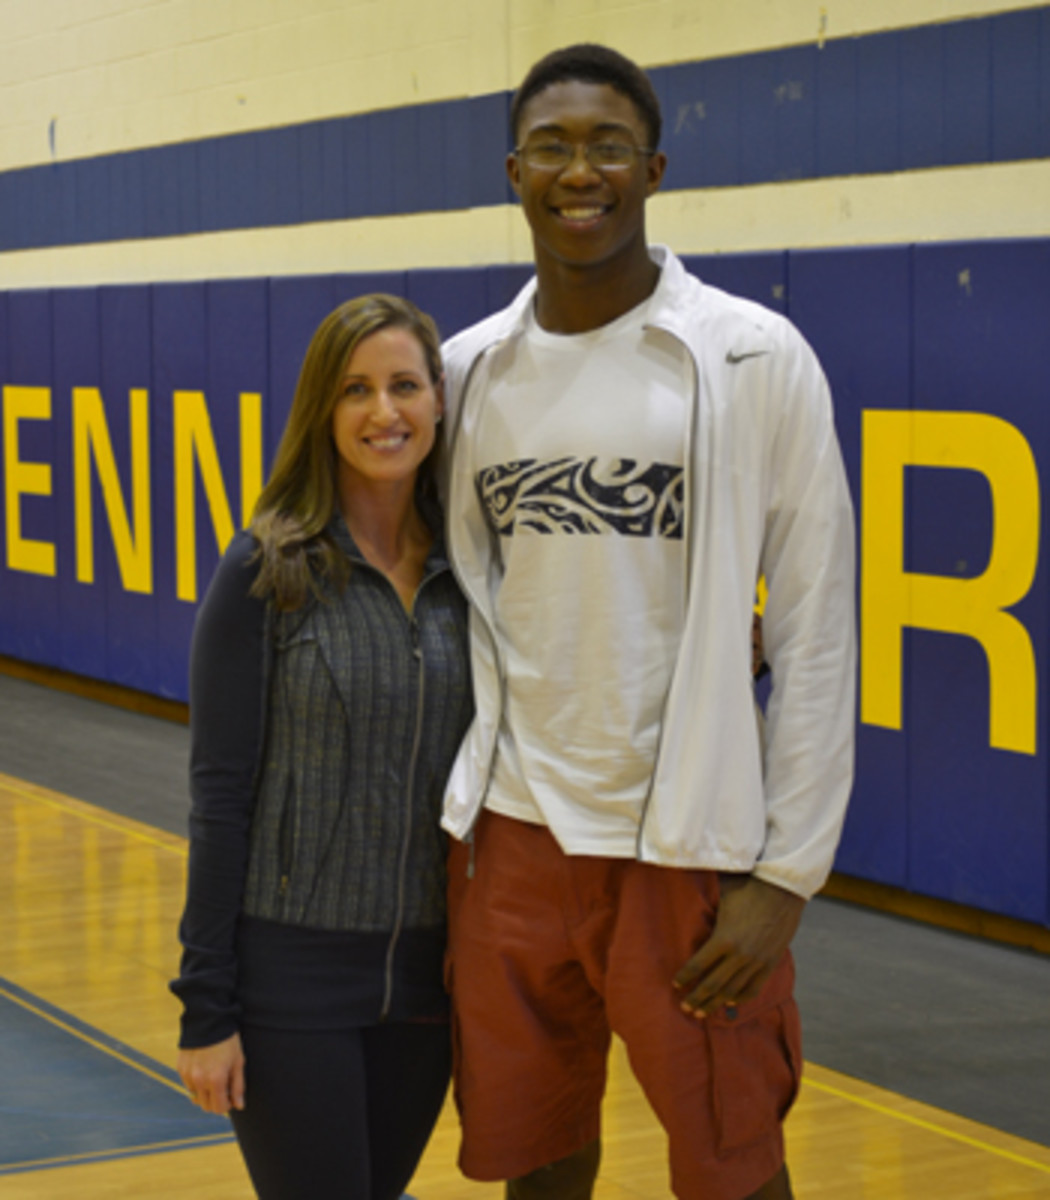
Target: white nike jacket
[[766, 495]]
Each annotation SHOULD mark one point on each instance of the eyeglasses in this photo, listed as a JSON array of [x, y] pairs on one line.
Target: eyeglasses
[[605, 155]]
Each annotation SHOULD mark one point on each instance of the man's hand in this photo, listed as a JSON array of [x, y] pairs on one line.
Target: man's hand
[[754, 926], [214, 1075]]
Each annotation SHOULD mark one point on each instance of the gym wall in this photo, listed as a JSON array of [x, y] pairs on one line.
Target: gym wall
[[188, 186]]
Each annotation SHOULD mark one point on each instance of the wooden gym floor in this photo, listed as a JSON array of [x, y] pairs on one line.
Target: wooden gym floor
[[933, 1048]]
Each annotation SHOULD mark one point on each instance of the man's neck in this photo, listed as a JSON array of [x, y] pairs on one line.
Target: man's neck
[[573, 299]]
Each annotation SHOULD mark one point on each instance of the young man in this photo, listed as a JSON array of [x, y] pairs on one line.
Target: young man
[[631, 451]]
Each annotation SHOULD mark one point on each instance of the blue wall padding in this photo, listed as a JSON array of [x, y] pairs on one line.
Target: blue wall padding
[[29, 602], [483, 151], [877, 78], [835, 128], [128, 197], [760, 276], [321, 170], [701, 110], [460, 294], [502, 284], [390, 143], [131, 617], [82, 640], [954, 93], [286, 185], [978, 825], [1015, 99], [966, 91], [942, 327], [180, 332], [920, 76], [432, 140], [777, 117], [855, 307], [356, 167]]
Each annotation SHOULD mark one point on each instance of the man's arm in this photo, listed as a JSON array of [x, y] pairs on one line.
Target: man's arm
[[755, 924], [808, 633], [807, 559]]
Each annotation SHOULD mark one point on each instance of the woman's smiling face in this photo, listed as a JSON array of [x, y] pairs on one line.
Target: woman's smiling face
[[384, 421]]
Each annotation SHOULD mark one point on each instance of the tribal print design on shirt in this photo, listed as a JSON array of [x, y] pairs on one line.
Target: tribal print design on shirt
[[580, 454], [584, 495]]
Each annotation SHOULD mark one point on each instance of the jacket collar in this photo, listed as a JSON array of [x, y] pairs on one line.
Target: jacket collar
[[666, 310]]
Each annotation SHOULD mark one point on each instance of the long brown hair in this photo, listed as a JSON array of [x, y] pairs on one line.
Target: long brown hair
[[296, 556]]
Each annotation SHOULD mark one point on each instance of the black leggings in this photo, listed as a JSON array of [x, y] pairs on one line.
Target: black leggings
[[342, 1114]]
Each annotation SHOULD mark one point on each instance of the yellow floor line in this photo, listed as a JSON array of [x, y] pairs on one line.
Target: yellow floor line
[[889, 1111], [167, 841], [96, 816]]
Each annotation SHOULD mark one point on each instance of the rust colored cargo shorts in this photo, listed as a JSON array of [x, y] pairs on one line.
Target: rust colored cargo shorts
[[547, 954]]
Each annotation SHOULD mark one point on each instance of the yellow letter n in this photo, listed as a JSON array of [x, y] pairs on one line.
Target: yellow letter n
[[195, 442], [892, 598], [132, 540]]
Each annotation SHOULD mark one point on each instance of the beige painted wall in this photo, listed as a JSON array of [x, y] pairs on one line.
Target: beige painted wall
[[80, 78]]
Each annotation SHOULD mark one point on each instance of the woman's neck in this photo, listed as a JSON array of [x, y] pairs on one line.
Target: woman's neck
[[391, 534]]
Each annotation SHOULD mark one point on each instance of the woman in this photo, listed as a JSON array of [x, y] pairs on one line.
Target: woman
[[329, 689]]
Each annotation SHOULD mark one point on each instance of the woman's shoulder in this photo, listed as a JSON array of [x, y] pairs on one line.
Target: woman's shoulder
[[231, 620], [236, 570], [242, 550]]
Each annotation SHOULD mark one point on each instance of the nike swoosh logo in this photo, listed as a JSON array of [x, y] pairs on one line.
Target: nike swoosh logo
[[733, 358]]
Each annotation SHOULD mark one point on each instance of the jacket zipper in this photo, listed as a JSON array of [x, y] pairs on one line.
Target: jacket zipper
[[690, 523], [467, 589], [287, 837]]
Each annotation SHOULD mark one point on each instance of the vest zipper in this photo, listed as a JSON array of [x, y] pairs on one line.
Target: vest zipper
[[402, 869], [286, 842]]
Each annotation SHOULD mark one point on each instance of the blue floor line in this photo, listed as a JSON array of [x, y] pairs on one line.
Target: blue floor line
[[46, 1010], [75, 1160], [70, 1093]]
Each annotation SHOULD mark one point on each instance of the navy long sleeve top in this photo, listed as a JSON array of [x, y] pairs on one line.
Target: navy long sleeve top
[[320, 745]]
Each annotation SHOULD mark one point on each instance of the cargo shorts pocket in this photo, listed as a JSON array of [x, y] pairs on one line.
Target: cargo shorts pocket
[[756, 1068]]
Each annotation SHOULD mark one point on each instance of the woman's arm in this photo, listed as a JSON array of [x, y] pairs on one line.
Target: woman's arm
[[227, 715]]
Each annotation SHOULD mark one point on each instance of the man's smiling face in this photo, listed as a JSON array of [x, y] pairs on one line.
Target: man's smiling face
[[583, 215]]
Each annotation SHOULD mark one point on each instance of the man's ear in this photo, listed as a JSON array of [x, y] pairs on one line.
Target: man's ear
[[655, 171], [514, 173]]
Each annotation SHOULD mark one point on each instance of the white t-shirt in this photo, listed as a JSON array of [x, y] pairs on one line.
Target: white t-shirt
[[583, 438]]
